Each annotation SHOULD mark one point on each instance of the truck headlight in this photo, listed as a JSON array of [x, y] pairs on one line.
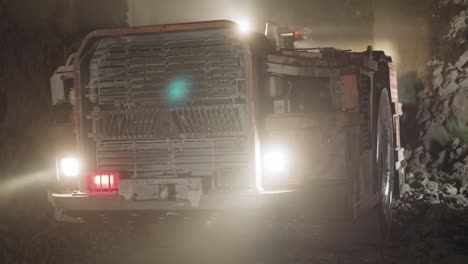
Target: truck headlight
[[243, 26], [70, 166], [275, 161]]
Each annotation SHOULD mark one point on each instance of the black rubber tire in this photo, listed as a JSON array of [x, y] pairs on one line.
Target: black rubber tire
[[385, 163]]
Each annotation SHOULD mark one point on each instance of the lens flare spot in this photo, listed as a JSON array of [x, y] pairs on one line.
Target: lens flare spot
[[178, 89]]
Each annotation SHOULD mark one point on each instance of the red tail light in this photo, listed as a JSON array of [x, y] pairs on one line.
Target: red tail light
[[102, 182]]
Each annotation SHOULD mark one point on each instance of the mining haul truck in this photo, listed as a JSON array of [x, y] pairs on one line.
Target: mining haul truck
[[202, 117]]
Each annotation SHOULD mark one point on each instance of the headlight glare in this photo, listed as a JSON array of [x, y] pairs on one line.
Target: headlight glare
[[243, 26], [275, 161], [70, 166]]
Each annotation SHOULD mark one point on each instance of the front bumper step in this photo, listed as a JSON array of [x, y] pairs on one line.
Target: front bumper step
[[212, 201], [330, 201]]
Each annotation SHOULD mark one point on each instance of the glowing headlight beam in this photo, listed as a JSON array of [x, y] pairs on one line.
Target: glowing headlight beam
[[70, 166], [244, 26], [275, 161]]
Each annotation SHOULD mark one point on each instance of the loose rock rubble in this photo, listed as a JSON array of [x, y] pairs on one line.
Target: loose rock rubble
[[442, 177]]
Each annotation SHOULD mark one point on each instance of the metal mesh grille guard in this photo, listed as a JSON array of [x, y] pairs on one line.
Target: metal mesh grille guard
[[130, 82], [169, 158], [189, 122], [136, 126], [138, 69]]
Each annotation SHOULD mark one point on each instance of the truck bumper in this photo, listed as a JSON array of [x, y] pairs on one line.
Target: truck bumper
[[214, 201], [75, 207], [318, 201]]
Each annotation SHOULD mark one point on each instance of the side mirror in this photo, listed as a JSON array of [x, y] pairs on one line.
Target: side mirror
[[62, 91]]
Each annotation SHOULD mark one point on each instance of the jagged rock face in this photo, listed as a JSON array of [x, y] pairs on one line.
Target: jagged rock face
[[457, 124], [443, 110], [437, 171]]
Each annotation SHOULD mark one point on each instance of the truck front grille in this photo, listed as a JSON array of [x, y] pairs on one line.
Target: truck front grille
[[225, 120], [170, 158]]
